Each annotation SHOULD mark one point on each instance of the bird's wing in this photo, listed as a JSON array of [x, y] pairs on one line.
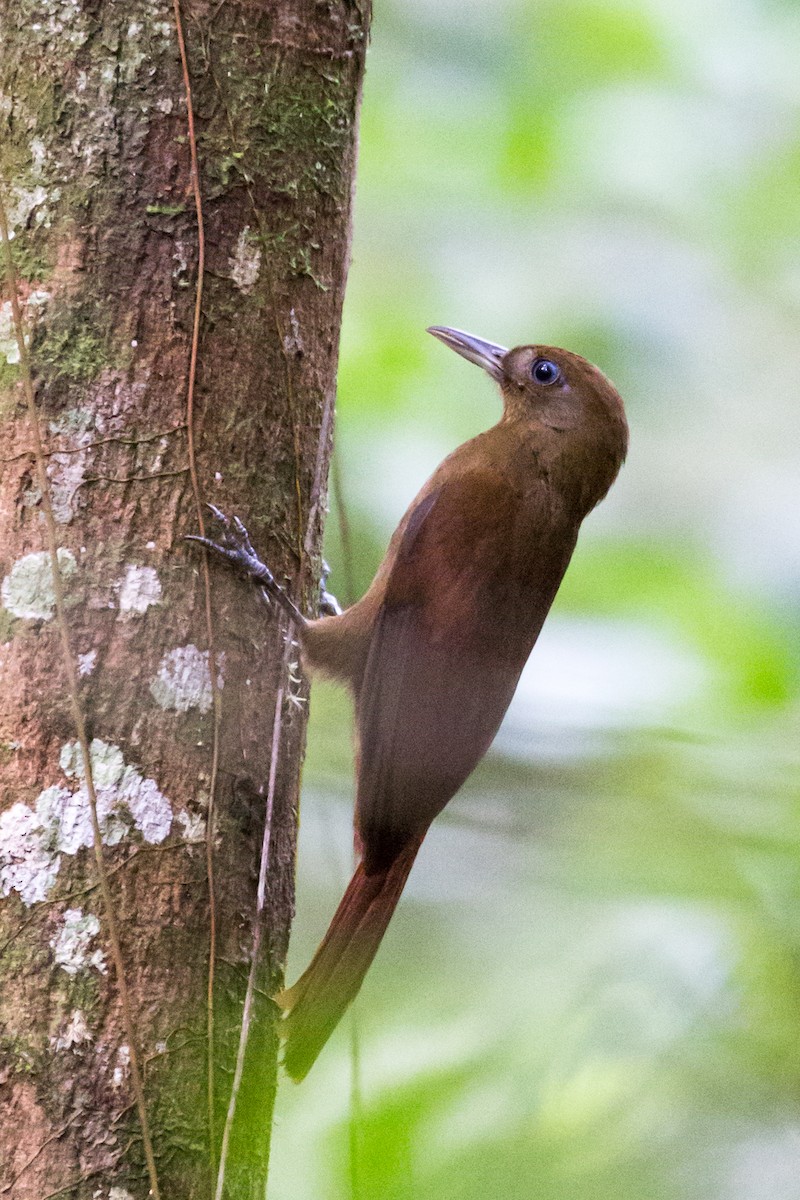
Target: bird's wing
[[447, 647]]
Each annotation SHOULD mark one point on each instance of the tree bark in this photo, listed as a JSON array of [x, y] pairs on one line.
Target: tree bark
[[97, 180]]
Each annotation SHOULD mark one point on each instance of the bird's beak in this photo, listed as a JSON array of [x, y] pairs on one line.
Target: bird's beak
[[485, 354]]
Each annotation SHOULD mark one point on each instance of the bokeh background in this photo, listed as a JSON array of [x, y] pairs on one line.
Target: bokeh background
[[592, 986]]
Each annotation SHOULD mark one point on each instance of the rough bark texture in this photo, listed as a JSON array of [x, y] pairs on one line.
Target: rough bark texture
[[97, 170]]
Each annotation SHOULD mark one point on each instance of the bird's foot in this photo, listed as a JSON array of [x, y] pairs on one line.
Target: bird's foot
[[235, 547], [329, 606]]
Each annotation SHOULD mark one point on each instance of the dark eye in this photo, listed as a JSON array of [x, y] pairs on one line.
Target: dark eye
[[544, 371]]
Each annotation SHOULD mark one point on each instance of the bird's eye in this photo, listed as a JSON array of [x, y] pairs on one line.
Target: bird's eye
[[544, 371]]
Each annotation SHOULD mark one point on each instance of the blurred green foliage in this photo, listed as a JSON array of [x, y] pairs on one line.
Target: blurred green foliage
[[592, 986]]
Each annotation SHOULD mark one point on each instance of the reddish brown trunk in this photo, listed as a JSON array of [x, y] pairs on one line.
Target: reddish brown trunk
[[97, 182]]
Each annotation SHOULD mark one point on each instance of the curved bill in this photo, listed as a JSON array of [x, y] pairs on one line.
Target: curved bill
[[484, 354]]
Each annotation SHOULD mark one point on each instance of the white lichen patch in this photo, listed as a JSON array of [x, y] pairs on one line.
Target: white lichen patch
[[72, 423], [119, 1193], [130, 54], [87, 662], [122, 1069], [67, 471], [135, 52], [31, 307], [26, 205], [138, 588], [193, 825], [293, 341], [27, 591], [33, 840], [184, 680], [71, 946], [74, 1033], [38, 155], [245, 262], [28, 864], [9, 346], [122, 795], [180, 256], [31, 497], [62, 21], [38, 299], [137, 44]]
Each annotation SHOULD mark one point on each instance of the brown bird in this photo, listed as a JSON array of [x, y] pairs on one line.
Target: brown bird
[[434, 649]]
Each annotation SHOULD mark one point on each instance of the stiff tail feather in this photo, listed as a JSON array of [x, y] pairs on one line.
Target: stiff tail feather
[[315, 1004]]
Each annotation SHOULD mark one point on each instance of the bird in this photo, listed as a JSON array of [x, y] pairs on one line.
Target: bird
[[433, 650]]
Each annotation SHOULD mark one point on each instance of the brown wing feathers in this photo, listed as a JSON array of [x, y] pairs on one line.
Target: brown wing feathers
[[427, 707]]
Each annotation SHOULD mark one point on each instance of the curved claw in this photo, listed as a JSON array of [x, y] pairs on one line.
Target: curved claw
[[247, 545], [218, 514], [224, 551], [329, 606], [237, 549]]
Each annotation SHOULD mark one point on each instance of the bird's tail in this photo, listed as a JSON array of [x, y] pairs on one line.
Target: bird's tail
[[315, 1004]]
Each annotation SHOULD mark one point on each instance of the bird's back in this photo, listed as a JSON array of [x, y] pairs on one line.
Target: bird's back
[[468, 583]]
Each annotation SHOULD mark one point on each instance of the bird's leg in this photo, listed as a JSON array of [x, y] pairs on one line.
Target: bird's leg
[[329, 606], [237, 549]]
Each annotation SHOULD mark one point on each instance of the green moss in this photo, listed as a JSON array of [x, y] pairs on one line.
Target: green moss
[[6, 626], [31, 256], [9, 375], [7, 751], [19, 1055], [10, 628], [283, 130], [71, 347], [300, 264], [165, 210], [176, 1084], [83, 992]]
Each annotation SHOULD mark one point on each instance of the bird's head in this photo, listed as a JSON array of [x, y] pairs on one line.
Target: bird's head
[[550, 387]]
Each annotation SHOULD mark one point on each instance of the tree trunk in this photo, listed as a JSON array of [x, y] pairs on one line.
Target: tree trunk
[[97, 177]]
